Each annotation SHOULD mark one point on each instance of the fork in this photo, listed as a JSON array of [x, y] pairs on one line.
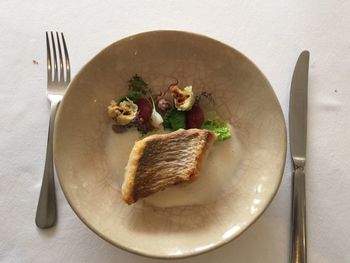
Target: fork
[[57, 81]]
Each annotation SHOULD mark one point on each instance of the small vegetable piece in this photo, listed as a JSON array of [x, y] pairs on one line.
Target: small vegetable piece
[[156, 118], [184, 99], [136, 83], [143, 127], [164, 105], [174, 119], [145, 110], [133, 95], [194, 117], [122, 113], [220, 127]]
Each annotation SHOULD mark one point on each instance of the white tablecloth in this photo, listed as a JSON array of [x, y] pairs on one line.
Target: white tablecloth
[[271, 33]]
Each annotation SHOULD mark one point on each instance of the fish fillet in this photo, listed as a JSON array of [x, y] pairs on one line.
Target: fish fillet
[[162, 160]]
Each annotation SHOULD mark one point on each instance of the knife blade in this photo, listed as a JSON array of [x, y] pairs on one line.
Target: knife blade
[[298, 135], [298, 110]]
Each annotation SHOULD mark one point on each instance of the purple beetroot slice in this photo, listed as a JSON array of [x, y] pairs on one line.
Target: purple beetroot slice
[[194, 117], [145, 109]]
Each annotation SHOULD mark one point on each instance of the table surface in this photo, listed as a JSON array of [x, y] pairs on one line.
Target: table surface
[[271, 33]]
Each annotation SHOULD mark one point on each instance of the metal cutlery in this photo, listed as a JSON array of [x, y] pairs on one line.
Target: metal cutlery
[[58, 78], [298, 135]]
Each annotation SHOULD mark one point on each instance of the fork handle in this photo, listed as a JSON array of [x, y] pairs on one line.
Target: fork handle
[[46, 210], [299, 218]]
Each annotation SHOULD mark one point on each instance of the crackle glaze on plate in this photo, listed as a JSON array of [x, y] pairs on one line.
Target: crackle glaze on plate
[[244, 97]]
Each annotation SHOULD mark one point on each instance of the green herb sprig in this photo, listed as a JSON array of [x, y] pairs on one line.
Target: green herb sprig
[[136, 83]]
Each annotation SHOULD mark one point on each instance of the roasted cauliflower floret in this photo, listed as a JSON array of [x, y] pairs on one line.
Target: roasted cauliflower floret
[[122, 113], [183, 99]]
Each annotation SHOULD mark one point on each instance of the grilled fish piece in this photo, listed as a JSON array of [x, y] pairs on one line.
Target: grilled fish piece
[[162, 160]]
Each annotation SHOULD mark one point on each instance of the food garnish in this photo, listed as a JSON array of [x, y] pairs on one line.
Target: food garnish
[[133, 95], [147, 112], [164, 104], [174, 119], [123, 112], [156, 118], [183, 99], [194, 117], [136, 83], [215, 124]]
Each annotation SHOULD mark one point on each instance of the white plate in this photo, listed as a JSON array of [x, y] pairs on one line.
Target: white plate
[[244, 98]]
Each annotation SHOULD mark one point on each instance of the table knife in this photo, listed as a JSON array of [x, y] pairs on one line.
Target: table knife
[[298, 134]]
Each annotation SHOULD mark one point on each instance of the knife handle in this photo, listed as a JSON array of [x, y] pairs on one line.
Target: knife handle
[[298, 218]]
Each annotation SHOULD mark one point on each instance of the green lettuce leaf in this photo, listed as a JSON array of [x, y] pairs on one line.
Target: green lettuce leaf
[[218, 126], [174, 119], [133, 95]]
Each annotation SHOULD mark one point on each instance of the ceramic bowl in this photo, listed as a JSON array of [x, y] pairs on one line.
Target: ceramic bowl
[[244, 97]]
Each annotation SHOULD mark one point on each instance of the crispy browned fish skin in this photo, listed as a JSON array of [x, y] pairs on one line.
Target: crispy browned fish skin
[[162, 160]]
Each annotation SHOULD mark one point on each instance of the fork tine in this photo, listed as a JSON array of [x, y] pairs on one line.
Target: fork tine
[[55, 76], [49, 65], [60, 58], [67, 59]]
